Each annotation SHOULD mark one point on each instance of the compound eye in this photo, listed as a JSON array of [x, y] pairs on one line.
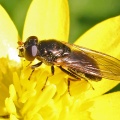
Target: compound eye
[[31, 48], [31, 52], [32, 40]]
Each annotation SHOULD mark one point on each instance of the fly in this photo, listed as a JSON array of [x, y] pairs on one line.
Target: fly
[[76, 61]]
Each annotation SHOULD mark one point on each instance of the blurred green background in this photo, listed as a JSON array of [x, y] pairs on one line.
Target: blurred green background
[[83, 14]]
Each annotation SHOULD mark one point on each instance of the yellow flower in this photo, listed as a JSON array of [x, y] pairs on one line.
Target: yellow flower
[[23, 99]]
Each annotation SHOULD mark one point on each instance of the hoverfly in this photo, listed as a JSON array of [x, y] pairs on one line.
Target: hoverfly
[[74, 60]]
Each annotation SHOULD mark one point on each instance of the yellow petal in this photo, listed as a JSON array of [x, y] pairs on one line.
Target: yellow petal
[[103, 37], [8, 35], [100, 87], [13, 117], [47, 19], [106, 107], [10, 104]]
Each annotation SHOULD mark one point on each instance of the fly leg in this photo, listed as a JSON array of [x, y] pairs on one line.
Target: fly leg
[[5, 117], [29, 64], [86, 77], [89, 83], [69, 73], [33, 68], [70, 79], [52, 72], [74, 75], [69, 86]]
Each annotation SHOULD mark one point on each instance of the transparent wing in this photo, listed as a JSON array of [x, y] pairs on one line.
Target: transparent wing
[[92, 62]]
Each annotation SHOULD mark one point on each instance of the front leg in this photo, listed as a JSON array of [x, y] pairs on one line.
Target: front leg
[[52, 72], [36, 65], [33, 67]]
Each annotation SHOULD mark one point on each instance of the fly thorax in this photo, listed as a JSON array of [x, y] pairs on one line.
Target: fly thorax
[[50, 50]]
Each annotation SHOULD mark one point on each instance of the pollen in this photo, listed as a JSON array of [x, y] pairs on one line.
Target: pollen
[[47, 99]]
